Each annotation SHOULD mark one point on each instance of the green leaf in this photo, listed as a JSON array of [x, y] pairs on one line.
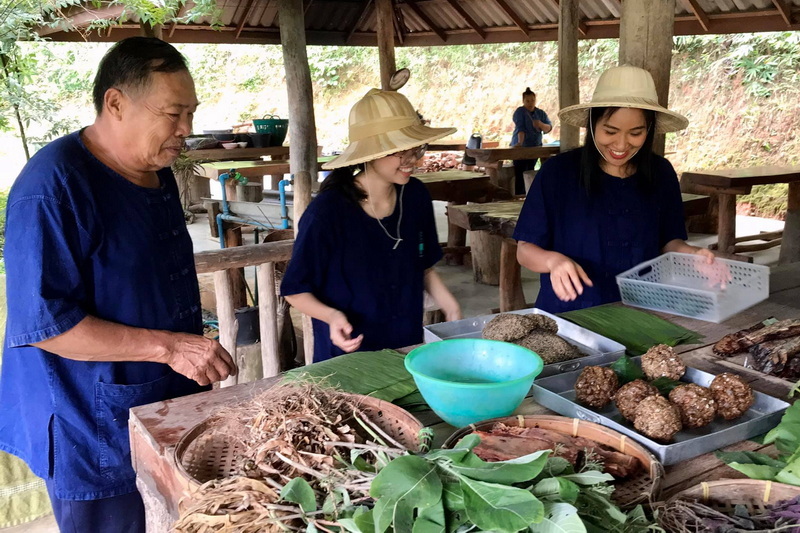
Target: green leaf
[[365, 522], [430, 520], [405, 484], [626, 370], [755, 471], [300, 492], [559, 518], [786, 435], [349, 524], [589, 478], [557, 488], [515, 470], [749, 458], [665, 385], [494, 507], [453, 496], [557, 466]]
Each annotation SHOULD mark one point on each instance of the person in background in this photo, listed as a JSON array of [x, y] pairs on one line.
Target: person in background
[[530, 123], [103, 301], [366, 245], [607, 206]]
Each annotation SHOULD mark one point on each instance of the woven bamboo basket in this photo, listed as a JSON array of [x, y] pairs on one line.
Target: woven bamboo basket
[[725, 494], [203, 454], [644, 487]]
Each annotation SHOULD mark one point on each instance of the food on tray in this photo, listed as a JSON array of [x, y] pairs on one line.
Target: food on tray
[[695, 404], [757, 334], [506, 442], [533, 331], [732, 395], [661, 361], [657, 418], [596, 386], [775, 357], [628, 397]]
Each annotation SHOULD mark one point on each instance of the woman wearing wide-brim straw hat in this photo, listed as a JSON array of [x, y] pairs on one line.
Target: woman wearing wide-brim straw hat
[[605, 207], [366, 245]]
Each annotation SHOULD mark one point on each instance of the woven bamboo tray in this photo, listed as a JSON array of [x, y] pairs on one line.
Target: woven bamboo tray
[[725, 494], [644, 487], [203, 454]]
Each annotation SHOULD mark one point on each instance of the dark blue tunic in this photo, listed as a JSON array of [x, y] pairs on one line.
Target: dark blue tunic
[[344, 258], [620, 226], [82, 240]]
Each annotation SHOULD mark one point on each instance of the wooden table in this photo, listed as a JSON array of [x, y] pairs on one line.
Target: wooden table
[[219, 154], [156, 428], [500, 219], [252, 169], [728, 183], [492, 159], [457, 146]]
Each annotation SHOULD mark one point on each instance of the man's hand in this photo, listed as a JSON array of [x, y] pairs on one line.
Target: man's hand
[[341, 330], [539, 124], [567, 278], [199, 358]]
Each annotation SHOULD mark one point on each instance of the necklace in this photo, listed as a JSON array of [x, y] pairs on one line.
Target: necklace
[[397, 240]]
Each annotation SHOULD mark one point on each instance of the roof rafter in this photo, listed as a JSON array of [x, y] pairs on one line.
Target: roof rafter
[[514, 17], [784, 10], [399, 24], [245, 17], [702, 17], [421, 14], [359, 20], [583, 29], [468, 19]]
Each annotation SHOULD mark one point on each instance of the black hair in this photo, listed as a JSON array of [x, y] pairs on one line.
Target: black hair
[[528, 92], [129, 64], [344, 179], [590, 156]]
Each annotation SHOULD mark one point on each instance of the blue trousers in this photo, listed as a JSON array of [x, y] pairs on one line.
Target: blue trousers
[[120, 514]]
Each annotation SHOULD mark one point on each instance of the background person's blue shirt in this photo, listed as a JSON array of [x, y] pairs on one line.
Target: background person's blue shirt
[[82, 240], [523, 121], [620, 226], [344, 258]]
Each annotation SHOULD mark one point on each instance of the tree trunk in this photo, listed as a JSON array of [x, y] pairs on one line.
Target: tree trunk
[[20, 124]]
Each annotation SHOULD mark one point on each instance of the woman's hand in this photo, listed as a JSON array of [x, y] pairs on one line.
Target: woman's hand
[[717, 273], [340, 332], [567, 277]]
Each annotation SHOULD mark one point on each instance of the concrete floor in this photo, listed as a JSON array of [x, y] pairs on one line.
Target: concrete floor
[[475, 299]]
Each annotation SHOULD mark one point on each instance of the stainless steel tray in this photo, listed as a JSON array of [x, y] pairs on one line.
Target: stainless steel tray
[[598, 349], [558, 393]]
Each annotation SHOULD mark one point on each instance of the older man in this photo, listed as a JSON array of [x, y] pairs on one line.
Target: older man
[[103, 302]]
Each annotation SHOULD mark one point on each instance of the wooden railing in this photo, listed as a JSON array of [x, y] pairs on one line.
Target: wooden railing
[[263, 257]]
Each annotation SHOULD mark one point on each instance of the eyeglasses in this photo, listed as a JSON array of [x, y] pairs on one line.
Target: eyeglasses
[[412, 153]]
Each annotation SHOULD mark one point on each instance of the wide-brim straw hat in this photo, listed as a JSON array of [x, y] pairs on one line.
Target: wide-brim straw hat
[[625, 86], [382, 123]]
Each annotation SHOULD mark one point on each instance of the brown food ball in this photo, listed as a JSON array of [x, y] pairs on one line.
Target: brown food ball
[[630, 395], [732, 395], [507, 327], [656, 418], [695, 404], [595, 386], [542, 323], [661, 361], [551, 348]]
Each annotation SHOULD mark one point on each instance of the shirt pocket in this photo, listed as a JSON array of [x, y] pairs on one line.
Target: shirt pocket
[[112, 402]]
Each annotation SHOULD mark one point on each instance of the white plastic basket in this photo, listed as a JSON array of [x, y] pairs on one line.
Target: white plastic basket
[[684, 284]]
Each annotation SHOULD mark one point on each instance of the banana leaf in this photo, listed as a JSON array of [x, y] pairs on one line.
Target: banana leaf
[[379, 374], [636, 330]]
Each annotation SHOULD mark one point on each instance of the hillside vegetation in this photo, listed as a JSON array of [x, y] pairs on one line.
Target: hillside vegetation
[[740, 92]]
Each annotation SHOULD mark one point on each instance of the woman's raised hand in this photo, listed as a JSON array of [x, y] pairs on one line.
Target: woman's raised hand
[[340, 332], [567, 277]]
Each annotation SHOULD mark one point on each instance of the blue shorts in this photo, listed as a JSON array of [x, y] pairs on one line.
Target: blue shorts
[[119, 514]]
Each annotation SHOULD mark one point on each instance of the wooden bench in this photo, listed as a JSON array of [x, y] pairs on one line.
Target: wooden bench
[[492, 160]]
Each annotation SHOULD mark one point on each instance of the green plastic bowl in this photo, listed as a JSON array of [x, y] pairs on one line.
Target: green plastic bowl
[[468, 380]]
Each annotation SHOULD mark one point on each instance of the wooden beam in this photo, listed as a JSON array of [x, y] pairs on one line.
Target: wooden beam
[[242, 256], [308, 5], [469, 20], [568, 87], [702, 17], [245, 17], [399, 26], [426, 19], [85, 17], [784, 10], [385, 14], [514, 17], [178, 15], [359, 20]]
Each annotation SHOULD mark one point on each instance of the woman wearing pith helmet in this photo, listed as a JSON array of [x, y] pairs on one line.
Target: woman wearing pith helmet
[[598, 210], [367, 243]]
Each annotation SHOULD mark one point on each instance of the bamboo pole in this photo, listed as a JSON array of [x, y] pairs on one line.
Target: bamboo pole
[[228, 326], [268, 320], [568, 89]]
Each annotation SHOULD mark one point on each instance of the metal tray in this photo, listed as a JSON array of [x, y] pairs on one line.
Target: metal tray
[[558, 394], [598, 349]]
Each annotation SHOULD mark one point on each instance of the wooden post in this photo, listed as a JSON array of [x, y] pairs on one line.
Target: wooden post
[[456, 238], [228, 326], [233, 237], [511, 295], [486, 250], [645, 41], [384, 11], [268, 319], [727, 223], [303, 153], [568, 89], [790, 246], [151, 31]]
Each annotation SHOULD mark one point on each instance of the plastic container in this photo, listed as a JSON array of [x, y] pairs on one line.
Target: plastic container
[[684, 284], [468, 380], [275, 126]]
